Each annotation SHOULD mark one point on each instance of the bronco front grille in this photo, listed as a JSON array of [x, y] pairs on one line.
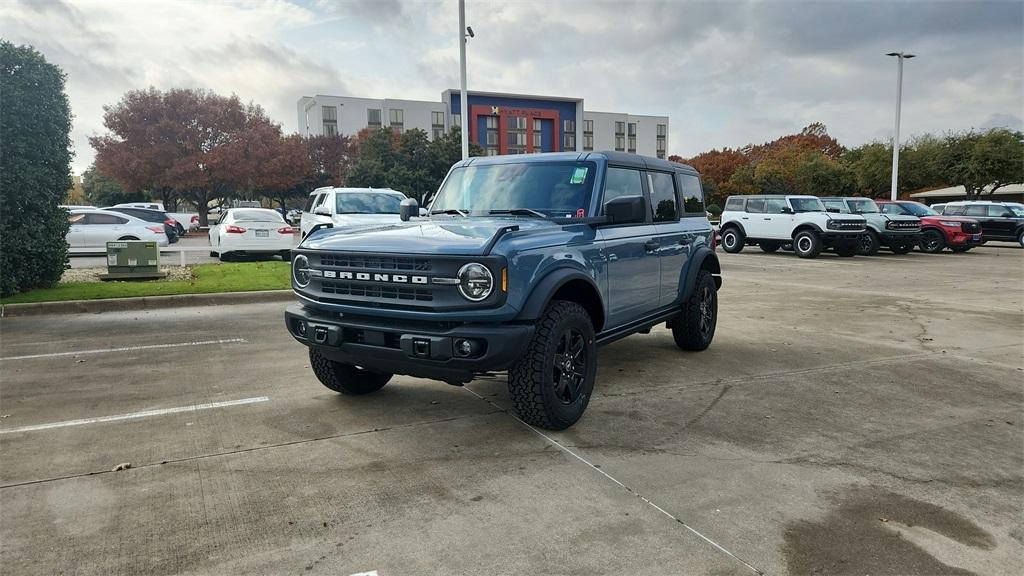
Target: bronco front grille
[[903, 225], [374, 290], [375, 262], [847, 225]]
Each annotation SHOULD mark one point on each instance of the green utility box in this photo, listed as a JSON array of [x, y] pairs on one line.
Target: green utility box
[[128, 259]]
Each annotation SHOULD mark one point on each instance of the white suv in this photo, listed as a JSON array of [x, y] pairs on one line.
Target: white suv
[[801, 221], [350, 207]]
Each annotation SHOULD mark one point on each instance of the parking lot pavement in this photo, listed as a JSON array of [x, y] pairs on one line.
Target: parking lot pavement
[[852, 416], [196, 252]]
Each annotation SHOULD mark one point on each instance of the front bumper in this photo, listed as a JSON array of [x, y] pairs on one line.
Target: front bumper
[[833, 237], [890, 237], [958, 238], [421, 349]]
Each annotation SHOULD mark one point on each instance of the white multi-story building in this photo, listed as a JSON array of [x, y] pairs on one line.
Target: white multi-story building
[[500, 123]]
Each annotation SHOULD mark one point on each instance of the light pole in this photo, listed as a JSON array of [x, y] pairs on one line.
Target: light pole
[[900, 57], [463, 30]]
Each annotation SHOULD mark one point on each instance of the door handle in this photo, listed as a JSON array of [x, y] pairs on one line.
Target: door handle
[[743, 218], [651, 245], [767, 218]]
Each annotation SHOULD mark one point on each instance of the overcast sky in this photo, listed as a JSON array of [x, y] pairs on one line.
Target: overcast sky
[[727, 73]]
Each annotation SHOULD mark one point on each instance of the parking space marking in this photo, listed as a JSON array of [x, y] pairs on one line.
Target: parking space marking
[[646, 500], [127, 349], [136, 415]]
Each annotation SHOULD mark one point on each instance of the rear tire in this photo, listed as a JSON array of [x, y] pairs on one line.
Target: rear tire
[[901, 247], [869, 243], [732, 240], [769, 247], [694, 327], [931, 242], [848, 249], [345, 378], [807, 244], [550, 386]]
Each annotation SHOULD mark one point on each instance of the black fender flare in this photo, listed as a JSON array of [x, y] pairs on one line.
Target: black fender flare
[[542, 292], [810, 225], [732, 223], [702, 259]]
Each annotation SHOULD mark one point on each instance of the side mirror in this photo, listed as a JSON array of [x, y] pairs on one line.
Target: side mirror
[[787, 210], [1007, 214], [423, 211], [408, 208], [624, 210], [322, 210]]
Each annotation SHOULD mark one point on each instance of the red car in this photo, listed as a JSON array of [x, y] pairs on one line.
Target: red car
[[957, 233]]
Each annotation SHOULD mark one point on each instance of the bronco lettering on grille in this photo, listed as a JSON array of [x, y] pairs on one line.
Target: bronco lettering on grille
[[376, 277]]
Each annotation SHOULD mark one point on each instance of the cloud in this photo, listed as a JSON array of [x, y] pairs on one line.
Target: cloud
[[727, 73]]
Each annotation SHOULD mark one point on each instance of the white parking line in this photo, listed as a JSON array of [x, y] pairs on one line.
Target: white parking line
[[134, 415], [127, 349]]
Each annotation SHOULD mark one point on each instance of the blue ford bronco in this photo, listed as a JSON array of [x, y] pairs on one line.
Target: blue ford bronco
[[524, 264]]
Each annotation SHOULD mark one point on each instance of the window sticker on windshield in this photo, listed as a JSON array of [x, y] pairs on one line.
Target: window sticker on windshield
[[578, 175]]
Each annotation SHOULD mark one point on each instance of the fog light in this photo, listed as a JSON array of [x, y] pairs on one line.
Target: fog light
[[463, 348], [300, 327]]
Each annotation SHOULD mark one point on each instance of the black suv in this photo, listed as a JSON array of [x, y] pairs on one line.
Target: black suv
[[999, 220]]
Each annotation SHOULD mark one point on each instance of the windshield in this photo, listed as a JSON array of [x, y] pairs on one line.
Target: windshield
[[918, 209], [1017, 210], [554, 189], [366, 203], [863, 206], [807, 205]]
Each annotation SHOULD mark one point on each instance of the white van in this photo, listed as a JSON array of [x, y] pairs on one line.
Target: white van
[[350, 207]]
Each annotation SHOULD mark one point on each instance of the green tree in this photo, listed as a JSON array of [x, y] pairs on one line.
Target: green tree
[[983, 162], [35, 158], [872, 168], [103, 191]]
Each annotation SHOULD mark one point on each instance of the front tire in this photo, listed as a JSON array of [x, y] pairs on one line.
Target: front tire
[[550, 386], [931, 242], [869, 243], [345, 378], [694, 327], [732, 240], [807, 244]]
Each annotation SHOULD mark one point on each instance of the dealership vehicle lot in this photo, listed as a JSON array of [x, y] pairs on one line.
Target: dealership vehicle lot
[[852, 416]]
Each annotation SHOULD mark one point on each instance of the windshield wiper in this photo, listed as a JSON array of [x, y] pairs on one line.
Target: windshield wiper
[[520, 212], [450, 211]]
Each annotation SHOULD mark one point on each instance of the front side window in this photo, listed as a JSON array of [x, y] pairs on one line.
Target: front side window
[[1003, 211], [620, 182], [366, 203], [663, 196], [774, 205], [555, 189]]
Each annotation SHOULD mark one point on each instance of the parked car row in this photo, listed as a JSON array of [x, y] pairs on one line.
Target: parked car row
[[92, 228], [854, 225]]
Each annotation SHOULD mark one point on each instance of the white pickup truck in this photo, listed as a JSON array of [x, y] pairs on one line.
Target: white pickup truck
[[186, 220]]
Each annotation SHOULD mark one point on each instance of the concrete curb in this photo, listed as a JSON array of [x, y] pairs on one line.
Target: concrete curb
[[144, 303]]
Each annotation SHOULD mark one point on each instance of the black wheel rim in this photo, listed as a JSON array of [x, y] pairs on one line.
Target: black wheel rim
[[570, 366], [932, 241], [707, 311], [866, 242], [730, 240], [803, 244]]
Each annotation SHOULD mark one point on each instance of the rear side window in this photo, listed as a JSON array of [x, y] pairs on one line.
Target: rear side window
[[620, 182], [663, 196], [755, 205], [693, 197], [976, 211], [104, 219], [734, 204]]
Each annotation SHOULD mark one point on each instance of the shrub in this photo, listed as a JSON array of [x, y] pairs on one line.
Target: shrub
[[35, 157], [715, 209]]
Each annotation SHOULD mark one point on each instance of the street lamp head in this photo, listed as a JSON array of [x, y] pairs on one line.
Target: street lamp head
[[909, 55], [469, 30], [901, 55]]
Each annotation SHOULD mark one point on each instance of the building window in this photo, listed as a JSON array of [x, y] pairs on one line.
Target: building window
[[538, 143], [632, 129], [492, 151], [661, 144], [373, 117], [588, 141], [620, 128], [569, 141], [588, 126], [661, 130], [330, 118], [492, 137], [620, 143], [569, 126], [396, 116], [538, 125], [632, 144], [456, 120], [517, 139], [492, 122], [517, 123], [437, 124]]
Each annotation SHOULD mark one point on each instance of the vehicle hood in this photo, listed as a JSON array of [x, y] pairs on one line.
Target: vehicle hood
[[880, 218], [840, 216], [435, 235]]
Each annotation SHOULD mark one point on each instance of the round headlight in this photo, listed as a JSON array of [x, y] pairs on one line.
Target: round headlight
[[300, 271], [475, 281]]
